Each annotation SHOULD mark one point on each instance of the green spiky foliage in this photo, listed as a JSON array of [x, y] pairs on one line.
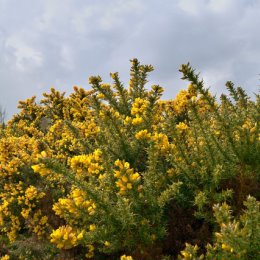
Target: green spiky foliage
[[118, 171]]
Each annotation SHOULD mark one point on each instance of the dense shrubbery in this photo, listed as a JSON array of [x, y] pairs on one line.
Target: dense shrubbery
[[119, 173]]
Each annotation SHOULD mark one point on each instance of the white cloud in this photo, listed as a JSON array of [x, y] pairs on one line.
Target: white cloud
[[26, 56], [193, 7], [220, 5]]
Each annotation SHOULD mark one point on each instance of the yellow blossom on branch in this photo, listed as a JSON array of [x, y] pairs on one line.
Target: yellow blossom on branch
[[90, 164], [182, 127], [142, 135], [126, 176], [64, 237]]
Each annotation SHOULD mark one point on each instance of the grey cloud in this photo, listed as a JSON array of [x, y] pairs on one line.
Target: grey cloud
[[52, 43]]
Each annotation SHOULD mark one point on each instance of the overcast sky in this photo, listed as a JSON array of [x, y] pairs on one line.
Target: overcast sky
[[54, 43]]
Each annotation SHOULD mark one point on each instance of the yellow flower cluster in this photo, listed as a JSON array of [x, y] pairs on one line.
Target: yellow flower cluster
[[15, 152], [126, 176], [87, 164], [32, 193], [143, 135], [65, 237], [31, 196], [91, 129], [76, 205], [79, 104], [184, 97], [26, 198], [15, 227], [161, 142], [39, 224], [4, 211], [46, 173], [41, 169], [139, 107], [138, 111], [182, 127], [181, 101], [9, 223], [133, 121]]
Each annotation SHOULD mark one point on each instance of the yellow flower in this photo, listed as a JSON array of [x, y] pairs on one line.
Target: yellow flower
[[128, 120], [143, 134], [90, 253], [129, 186], [101, 176], [134, 176], [36, 168], [182, 126], [126, 165], [227, 247], [118, 163], [100, 96], [124, 179], [43, 154], [25, 213], [137, 120], [31, 192], [41, 169], [117, 174], [186, 255], [80, 235], [107, 243], [92, 227], [124, 257]]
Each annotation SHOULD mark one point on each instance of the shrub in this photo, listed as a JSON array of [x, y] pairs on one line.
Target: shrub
[[118, 171], [237, 239]]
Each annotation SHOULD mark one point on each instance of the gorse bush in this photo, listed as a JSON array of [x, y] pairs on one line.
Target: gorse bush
[[119, 173], [237, 239]]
